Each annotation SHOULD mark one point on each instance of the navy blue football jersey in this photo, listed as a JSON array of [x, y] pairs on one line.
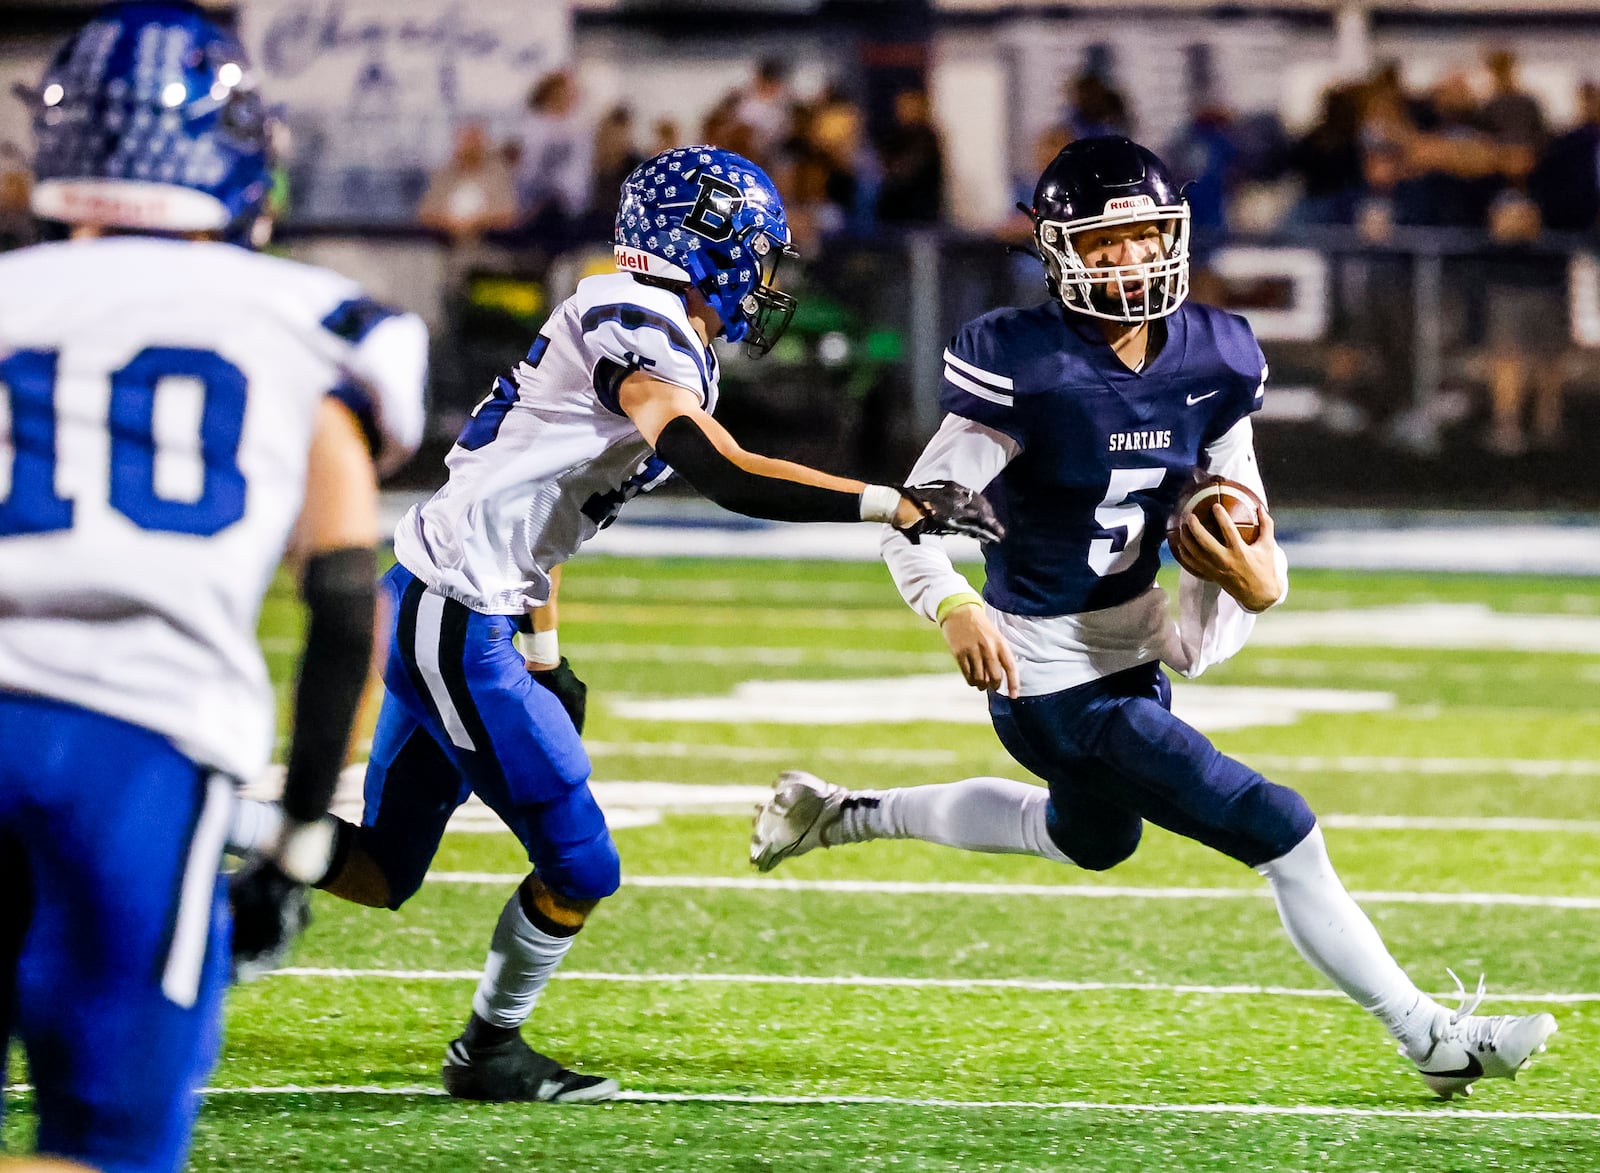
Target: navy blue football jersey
[[1105, 451]]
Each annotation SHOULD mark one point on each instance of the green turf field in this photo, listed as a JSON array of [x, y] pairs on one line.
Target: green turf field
[[1039, 1017]]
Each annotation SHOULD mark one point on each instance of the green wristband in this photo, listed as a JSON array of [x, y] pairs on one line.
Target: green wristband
[[960, 599]]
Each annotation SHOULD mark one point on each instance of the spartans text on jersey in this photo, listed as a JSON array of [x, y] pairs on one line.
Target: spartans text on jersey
[[1141, 441]]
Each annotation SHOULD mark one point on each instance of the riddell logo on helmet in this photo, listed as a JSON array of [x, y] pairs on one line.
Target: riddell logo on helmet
[[1124, 203], [632, 261]]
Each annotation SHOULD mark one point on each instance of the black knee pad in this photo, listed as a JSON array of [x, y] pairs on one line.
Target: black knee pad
[[1098, 846]]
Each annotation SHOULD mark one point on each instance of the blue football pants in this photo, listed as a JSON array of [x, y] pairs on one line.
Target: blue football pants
[[1113, 755], [113, 930], [461, 715]]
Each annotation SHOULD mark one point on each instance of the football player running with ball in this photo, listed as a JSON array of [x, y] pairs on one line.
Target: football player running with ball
[[1083, 418], [168, 399], [615, 395]]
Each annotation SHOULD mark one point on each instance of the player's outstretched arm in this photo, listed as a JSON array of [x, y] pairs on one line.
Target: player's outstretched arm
[[337, 529], [701, 451]]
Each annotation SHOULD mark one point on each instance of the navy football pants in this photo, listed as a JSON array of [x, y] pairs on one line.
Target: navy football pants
[[460, 716], [113, 930], [1113, 755]]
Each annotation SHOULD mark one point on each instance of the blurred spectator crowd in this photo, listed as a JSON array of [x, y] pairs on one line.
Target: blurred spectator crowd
[[1474, 153], [1458, 155], [556, 182]]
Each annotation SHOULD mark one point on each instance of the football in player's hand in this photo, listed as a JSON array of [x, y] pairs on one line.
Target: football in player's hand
[[1200, 499]]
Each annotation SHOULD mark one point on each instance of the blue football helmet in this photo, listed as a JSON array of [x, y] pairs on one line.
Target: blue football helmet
[[148, 119], [714, 220], [1106, 183]]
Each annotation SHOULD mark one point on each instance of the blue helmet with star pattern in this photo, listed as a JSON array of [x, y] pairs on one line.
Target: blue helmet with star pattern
[[714, 220], [148, 119]]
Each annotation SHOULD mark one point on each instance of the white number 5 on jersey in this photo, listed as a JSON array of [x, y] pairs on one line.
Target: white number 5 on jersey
[[1122, 519]]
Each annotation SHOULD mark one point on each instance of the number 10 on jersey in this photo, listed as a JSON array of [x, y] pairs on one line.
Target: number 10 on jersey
[[31, 503]]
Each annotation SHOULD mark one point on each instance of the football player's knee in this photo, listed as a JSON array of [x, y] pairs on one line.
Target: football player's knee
[[590, 870], [1272, 817], [1096, 848], [402, 871]]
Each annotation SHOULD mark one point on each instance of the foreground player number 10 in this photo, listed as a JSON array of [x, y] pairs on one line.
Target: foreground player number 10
[[28, 397], [1122, 519]]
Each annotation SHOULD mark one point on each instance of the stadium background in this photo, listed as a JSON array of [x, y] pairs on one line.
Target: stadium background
[[908, 1008], [1412, 243]]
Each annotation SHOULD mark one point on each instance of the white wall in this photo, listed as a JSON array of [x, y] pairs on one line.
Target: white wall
[[969, 89]]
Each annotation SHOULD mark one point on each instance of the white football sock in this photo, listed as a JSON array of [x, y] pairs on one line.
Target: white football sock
[[1335, 936], [256, 825], [522, 957], [976, 814]]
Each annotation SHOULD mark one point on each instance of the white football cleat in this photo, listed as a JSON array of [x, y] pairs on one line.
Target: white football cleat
[[793, 820], [1468, 1047]]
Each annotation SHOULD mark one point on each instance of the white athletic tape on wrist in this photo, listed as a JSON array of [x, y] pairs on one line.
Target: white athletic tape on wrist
[[879, 503], [542, 647]]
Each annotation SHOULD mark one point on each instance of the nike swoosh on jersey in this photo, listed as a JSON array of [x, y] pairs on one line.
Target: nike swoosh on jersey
[[1191, 400]]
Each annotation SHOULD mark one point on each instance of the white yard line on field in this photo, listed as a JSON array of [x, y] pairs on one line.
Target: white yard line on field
[[1055, 891], [767, 753], [1322, 764], [738, 655], [755, 591], [1463, 823], [944, 697], [1329, 764], [765, 657], [1442, 1112], [1035, 985], [1356, 764]]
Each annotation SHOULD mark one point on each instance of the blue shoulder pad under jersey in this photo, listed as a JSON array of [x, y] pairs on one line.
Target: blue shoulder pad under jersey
[[627, 337], [978, 381], [1233, 348]]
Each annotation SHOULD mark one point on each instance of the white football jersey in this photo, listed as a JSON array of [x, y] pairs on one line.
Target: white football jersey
[[157, 403], [548, 458]]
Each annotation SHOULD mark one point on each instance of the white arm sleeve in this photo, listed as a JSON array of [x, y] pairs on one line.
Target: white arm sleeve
[[969, 454], [1212, 626]]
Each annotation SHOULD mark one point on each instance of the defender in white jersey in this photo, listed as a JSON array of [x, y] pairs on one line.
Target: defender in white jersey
[[618, 388], [170, 404]]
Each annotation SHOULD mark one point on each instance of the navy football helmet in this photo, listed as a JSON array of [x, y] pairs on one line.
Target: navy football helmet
[[148, 119], [714, 220], [1101, 183]]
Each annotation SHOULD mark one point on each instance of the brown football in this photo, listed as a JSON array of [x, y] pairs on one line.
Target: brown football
[[1200, 498]]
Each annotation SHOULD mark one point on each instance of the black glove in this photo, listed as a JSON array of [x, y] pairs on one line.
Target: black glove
[[270, 910], [570, 691], [949, 508]]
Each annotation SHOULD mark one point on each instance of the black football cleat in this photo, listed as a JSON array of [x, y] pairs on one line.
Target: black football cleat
[[513, 1071]]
